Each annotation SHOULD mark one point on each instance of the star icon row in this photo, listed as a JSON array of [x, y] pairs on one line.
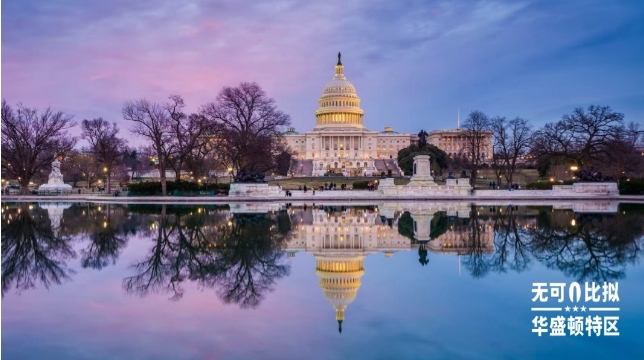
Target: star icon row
[[575, 308]]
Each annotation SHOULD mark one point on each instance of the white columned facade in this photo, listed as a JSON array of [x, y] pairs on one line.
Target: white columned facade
[[339, 142]]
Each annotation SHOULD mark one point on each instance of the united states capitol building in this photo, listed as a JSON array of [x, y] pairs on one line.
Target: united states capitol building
[[341, 144]]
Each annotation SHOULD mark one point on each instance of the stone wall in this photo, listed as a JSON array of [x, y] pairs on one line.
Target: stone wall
[[607, 188], [577, 189], [452, 187], [253, 189]]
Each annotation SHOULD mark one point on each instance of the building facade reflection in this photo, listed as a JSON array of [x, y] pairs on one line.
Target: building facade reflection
[[340, 238]]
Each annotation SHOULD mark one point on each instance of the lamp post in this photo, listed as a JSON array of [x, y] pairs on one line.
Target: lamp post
[[573, 168], [107, 180], [230, 174]]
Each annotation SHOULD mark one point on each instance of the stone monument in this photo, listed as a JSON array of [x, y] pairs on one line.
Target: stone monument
[[55, 182], [251, 183], [421, 175], [422, 183]]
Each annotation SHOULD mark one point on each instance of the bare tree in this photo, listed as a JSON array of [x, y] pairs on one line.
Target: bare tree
[[191, 137], [512, 140], [138, 161], [31, 140], [80, 166], [105, 145], [154, 122], [622, 156], [247, 126], [477, 134], [580, 137]]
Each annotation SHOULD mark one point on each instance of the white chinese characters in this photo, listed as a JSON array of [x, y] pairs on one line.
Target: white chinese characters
[[591, 325]]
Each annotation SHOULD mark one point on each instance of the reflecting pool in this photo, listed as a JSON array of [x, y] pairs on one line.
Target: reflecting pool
[[314, 281]]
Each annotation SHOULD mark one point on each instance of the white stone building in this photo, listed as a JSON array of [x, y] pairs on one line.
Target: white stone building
[[339, 143], [455, 143]]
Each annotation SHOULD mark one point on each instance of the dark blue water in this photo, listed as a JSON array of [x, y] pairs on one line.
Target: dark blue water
[[403, 281]]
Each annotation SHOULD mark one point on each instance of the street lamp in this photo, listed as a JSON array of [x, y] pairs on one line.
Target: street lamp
[[573, 169], [230, 174], [106, 178]]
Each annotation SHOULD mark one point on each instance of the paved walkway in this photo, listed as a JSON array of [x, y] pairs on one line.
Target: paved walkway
[[329, 196]]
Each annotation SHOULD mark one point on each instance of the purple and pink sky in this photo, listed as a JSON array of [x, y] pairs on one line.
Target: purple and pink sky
[[414, 63]]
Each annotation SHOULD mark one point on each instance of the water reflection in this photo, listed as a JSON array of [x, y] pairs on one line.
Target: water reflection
[[237, 254], [583, 246], [340, 238], [106, 227], [242, 251], [587, 246], [32, 249]]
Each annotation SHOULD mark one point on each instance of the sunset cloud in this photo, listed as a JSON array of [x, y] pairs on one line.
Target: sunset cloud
[[414, 63]]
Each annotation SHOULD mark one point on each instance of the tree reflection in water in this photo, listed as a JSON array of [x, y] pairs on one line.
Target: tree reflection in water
[[105, 226], [239, 255], [586, 247], [31, 252], [592, 247]]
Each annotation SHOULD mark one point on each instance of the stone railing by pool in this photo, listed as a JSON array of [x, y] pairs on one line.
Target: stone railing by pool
[[253, 189]]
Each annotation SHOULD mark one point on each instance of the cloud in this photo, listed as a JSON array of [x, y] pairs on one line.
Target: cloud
[[417, 59]]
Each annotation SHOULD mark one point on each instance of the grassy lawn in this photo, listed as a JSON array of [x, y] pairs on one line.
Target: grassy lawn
[[521, 177]]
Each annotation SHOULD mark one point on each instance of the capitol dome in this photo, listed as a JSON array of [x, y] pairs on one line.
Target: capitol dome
[[340, 280], [339, 86], [339, 105]]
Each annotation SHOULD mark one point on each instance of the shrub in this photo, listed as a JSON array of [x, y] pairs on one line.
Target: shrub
[[546, 185], [631, 187], [175, 187], [360, 185], [539, 186]]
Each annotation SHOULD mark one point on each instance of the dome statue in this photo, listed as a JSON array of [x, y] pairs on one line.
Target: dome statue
[[339, 105]]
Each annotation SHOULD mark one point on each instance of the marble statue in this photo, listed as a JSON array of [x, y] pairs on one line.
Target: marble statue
[[55, 182]]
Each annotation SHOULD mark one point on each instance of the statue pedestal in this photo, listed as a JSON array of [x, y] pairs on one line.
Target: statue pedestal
[[422, 172], [422, 183], [55, 188]]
